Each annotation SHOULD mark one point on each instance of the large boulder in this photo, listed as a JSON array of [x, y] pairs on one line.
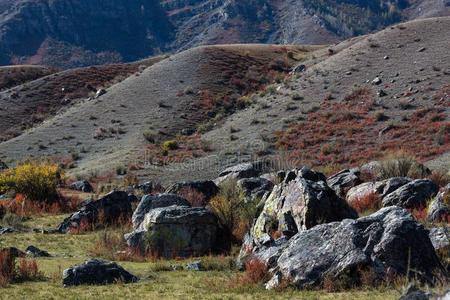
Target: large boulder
[[205, 190], [414, 194], [111, 209], [243, 170], [344, 181], [82, 186], [440, 237], [36, 252], [296, 205], [176, 231], [439, 209], [96, 272], [254, 188], [149, 202], [388, 243]]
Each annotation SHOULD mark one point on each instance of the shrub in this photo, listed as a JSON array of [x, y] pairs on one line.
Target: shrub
[[108, 245], [367, 203], [37, 181], [234, 213], [401, 164], [169, 145], [25, 270], [255, 273], [7, 268], [150, 137]]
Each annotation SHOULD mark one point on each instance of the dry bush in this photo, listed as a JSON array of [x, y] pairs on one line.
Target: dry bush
[[256, 272], [195, 198], [440, 178], [25, 270], [7, 268], [108, 245], [359, 277], [234, 213], [367, 203], [401, 164]]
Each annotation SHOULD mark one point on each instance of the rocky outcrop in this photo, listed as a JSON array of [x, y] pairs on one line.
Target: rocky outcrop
[[240, 171], [111, 209], [82, 186], [344, 181], [383, 243], [439, 209], [254, 188], [36, 252], [176, 231], [97, 272], [206, 189], [149, 202], [296, 205], [412, 195]]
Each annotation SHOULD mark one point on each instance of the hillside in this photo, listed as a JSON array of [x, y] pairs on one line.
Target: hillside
[[67, 33], [362, 97]]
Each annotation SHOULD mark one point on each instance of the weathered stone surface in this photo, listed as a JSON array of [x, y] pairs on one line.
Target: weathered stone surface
[[412, 195], [440, 237], [36, 252], [5, 230], [149, 202], [207, 188], [254, 188], [298, 205], [439, 209], [96, 272], [243, 170], [110, 209], [176, 231], [412, 292], [3, 166], [83, 186], [384, 242], [344, 181]]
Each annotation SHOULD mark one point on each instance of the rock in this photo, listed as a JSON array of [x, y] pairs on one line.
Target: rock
[[412, 292], [206, 189], [312, 175], [194, 266], [149, 202], [299, 69], [83, 186], [36, 252], [421, 49], [414, 194], [110, 209], [439, 209], [440, 237], [96, 272], [344, 181], [176, 231], [392, 184], [149, 187], [244, 170], [383, 243], [254, 188], [377, 81], [5, 230], [13, 252], [133, 198], [99, 93], [187, 131], [298, 205], [3, 166], [382, 93]]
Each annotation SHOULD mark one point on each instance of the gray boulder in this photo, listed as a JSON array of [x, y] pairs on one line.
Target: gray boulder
[[96, 272], [254, 188], [5, 230], [412, 292], [36, 252], [344, 181], [439, 209], [3, 166], [414, 194], [149, 202], [440, 237], [383, 242], [207, 189], [176, 231], [111, 209], [298, 205], [82, 186], [243, 170]]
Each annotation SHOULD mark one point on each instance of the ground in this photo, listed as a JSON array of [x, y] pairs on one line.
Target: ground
[[156, 282]]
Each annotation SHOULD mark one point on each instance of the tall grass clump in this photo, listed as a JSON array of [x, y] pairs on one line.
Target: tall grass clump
[[401, 164]]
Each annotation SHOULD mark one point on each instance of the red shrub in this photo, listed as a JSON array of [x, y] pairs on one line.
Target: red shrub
[[367, 202], [7, 268]]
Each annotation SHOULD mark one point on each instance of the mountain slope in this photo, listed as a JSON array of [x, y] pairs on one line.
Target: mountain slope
[[70, 33]]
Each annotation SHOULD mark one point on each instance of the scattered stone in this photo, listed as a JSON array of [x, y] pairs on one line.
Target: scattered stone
[[383, 243], [299, 69], [82, 186], [439, 209], [344, 181], [112, 208], [377, 81], [5, 230], [176, 231], [149, 187], [244, 170], [36, 252], [150, 202], [97, 272], [99, 93], [207, 189], [386, 57], [194, 266], [382, 93], [421, 49], [3, 166], [414, 194]]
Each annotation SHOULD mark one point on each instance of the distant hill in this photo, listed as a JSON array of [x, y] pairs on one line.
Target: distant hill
[[73, 33]]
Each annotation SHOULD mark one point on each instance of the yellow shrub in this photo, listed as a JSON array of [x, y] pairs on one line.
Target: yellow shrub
[[35, 180], [169, 145]]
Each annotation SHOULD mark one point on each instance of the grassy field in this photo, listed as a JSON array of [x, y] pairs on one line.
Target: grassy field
[[156, 280]]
